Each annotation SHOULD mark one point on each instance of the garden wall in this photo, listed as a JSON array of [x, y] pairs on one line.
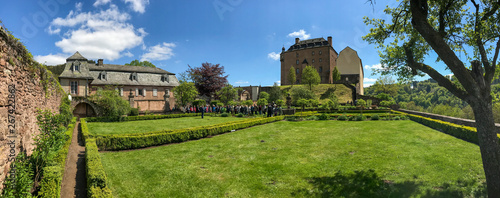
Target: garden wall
[[25, 85], [459, 121]]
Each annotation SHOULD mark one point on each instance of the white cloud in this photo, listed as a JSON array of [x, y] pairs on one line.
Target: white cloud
[[104, 34], [241, 82], [138, 5], [52, 59], [162, 51], [273, 55], [367, 85], [128, 54], [278, 82], [372, 67], [365, 80], [300, 34], [101, 2], [78, 6]]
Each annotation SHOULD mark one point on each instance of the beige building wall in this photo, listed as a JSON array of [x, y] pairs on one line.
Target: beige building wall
[[65, 84], [348, 62]]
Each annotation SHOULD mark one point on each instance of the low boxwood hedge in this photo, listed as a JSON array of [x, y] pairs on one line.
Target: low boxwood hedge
[[50, 186], [459, 131], [96, 177], [145, 117], [141, 140]]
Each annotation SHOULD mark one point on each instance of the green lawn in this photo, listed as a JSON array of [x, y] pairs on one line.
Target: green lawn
[[108, 128], [304, 159]]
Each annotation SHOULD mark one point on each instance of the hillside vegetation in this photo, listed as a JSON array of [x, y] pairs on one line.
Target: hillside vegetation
[[323, 91]]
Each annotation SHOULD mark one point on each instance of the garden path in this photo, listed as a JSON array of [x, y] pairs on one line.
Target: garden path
[[74, 180]]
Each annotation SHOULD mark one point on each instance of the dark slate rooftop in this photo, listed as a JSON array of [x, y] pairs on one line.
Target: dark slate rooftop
[[127, 68], [76, 56], [310, 43]]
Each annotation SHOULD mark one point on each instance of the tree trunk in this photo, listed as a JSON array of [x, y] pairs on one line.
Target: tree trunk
[[488, 144]]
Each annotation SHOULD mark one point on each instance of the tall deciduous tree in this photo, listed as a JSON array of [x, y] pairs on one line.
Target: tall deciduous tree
[[208, 78], [185, 93], [449, 28], [385, 84], [335, 74], [140, 63], [227, 93], [275, 93], [291, 76], [310, 77]]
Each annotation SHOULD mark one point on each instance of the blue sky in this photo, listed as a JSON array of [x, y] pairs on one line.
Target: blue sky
[[242, 35]]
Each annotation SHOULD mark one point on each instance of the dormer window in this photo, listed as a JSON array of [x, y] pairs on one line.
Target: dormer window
[[103, 75], [76, 66], [133, 76], [164, 78]]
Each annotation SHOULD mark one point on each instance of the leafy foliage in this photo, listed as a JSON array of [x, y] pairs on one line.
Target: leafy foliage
[[264, 95], [299, 92], [292, 78], [140, 63], [227, 93], [208, 78], [185, 93], [335, 74], [310, 77], [112, 104], [262, 102], [275, 93]]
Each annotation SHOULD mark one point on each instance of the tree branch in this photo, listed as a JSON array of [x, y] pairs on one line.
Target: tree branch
[[442, 81], [434, 39]]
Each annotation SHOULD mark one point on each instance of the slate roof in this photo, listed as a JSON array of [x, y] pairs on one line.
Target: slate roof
[[116, 74], [127, 68], [310, 43]]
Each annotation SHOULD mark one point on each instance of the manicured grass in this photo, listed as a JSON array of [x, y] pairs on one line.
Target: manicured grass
[[304, 159], [108, 128]]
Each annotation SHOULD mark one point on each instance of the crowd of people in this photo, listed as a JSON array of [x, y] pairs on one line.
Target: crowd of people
[[270, 110]]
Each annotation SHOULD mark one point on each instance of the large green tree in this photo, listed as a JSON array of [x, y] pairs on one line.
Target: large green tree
[[385, 84], [185, 93], [310, 76], [227, 93], [140, 63], [275, 93], [465, 36], [111, 102], [291, 76]]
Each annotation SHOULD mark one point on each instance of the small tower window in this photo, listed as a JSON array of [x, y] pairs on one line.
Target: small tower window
[[297, 70], [320, 69], [320, 60], [76, 66], [297, 54], [320, 52], [313, 53], [297, 62], [313, 60]]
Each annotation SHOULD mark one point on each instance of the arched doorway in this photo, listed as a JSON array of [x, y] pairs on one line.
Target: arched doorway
[[245, 95], [83, 110]]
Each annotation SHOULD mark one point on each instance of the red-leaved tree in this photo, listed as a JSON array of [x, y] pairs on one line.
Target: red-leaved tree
[[208, 78]]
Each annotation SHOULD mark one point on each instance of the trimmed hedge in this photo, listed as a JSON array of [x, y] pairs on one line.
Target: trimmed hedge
[[50, 186], [96, 177], [141, 140], [459, 131], [145, 117], [85, 129]]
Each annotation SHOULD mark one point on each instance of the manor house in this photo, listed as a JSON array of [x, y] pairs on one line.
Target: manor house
[[319, 53], [146, 88]]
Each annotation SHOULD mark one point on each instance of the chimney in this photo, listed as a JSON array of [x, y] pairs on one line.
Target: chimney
[[330, 40], [100, 62], [297, 40]]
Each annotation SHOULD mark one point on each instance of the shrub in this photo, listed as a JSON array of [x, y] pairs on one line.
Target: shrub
[[397, 118], [375, 117], [111, 102], [146, 117], [342, 118], [360, 118], [134, 112], [224, 115], [312, 118], [240, 115], [324, 116], [351, 118], [96, 177], [141, 140]]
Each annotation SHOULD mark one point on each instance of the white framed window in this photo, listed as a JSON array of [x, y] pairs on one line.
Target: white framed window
[[155, 92], [121, 91], [74, 87], [136, 92], [144, 92]]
